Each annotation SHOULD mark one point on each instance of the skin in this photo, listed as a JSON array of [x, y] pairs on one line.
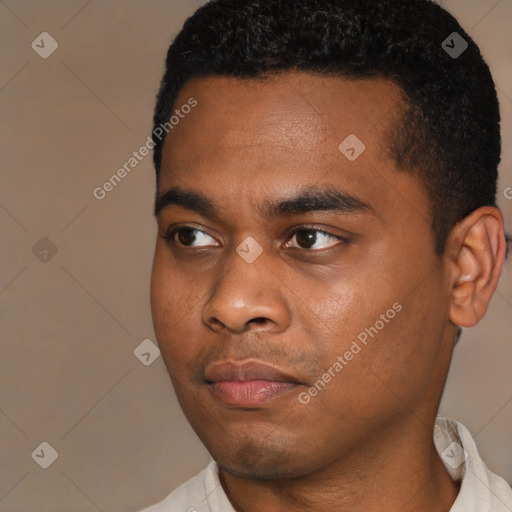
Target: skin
[[365, 441]]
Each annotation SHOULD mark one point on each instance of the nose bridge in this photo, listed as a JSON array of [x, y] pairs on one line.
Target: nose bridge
[[247, 292]]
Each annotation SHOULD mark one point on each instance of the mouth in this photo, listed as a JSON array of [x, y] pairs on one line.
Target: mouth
[[248, 385]]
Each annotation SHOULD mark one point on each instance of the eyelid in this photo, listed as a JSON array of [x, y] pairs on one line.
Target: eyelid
[[171, 231], [319, 229]]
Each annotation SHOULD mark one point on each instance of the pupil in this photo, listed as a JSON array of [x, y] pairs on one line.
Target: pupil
[[306, 238], [187, 236]]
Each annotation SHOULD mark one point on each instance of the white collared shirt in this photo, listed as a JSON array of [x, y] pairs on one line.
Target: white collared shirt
[[480, 489]]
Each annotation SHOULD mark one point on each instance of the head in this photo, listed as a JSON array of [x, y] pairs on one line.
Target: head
[[326, 212]]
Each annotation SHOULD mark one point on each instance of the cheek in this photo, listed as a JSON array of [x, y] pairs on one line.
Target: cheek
[[388, 320], [336, 312], [175, 305], [401, 361]]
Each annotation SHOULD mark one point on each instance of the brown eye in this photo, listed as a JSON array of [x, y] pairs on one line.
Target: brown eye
[[188, 236], [306, 238], [314, 239]]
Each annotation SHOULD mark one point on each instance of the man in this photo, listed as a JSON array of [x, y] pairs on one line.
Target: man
[[326, 178]]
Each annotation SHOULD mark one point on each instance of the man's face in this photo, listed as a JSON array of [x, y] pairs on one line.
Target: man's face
[[250, 339]]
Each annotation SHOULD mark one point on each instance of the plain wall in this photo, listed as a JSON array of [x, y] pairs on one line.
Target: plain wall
[[70, 325]]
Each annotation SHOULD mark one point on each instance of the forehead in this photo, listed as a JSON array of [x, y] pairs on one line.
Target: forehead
[[289, 129], [294, 110]]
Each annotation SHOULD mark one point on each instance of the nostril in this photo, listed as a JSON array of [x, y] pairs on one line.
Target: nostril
[[216, 323], [258, 320]]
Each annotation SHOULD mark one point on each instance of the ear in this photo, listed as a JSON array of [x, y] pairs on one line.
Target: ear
[[476, 250]]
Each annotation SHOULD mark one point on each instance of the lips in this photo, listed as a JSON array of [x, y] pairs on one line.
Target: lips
[[248, 384]]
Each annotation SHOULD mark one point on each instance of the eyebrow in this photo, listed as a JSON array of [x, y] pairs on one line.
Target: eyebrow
[[309, 199]]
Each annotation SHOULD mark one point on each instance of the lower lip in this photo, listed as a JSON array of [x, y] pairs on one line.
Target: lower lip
[[249, 393]]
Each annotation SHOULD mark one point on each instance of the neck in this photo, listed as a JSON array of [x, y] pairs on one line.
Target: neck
[[398, 470]]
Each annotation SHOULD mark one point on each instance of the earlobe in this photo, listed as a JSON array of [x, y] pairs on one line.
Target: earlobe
[[478, 247]]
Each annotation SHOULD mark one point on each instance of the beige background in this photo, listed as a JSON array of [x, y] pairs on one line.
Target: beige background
[[70, 325]]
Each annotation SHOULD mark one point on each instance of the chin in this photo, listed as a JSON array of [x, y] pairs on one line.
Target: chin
[[262, 460]]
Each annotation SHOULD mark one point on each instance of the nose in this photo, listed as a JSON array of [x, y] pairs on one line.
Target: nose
[[247, 296]]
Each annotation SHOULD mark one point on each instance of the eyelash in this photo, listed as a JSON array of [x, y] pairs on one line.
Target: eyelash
[[169, 237]]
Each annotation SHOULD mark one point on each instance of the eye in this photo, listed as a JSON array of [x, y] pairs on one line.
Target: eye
[[309, 238], [188, 236]]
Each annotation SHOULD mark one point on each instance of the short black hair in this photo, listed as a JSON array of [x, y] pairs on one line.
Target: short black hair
[[449, 128]]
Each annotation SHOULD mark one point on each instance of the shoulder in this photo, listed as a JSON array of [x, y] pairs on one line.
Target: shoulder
[[188, 497], [480, 489]]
